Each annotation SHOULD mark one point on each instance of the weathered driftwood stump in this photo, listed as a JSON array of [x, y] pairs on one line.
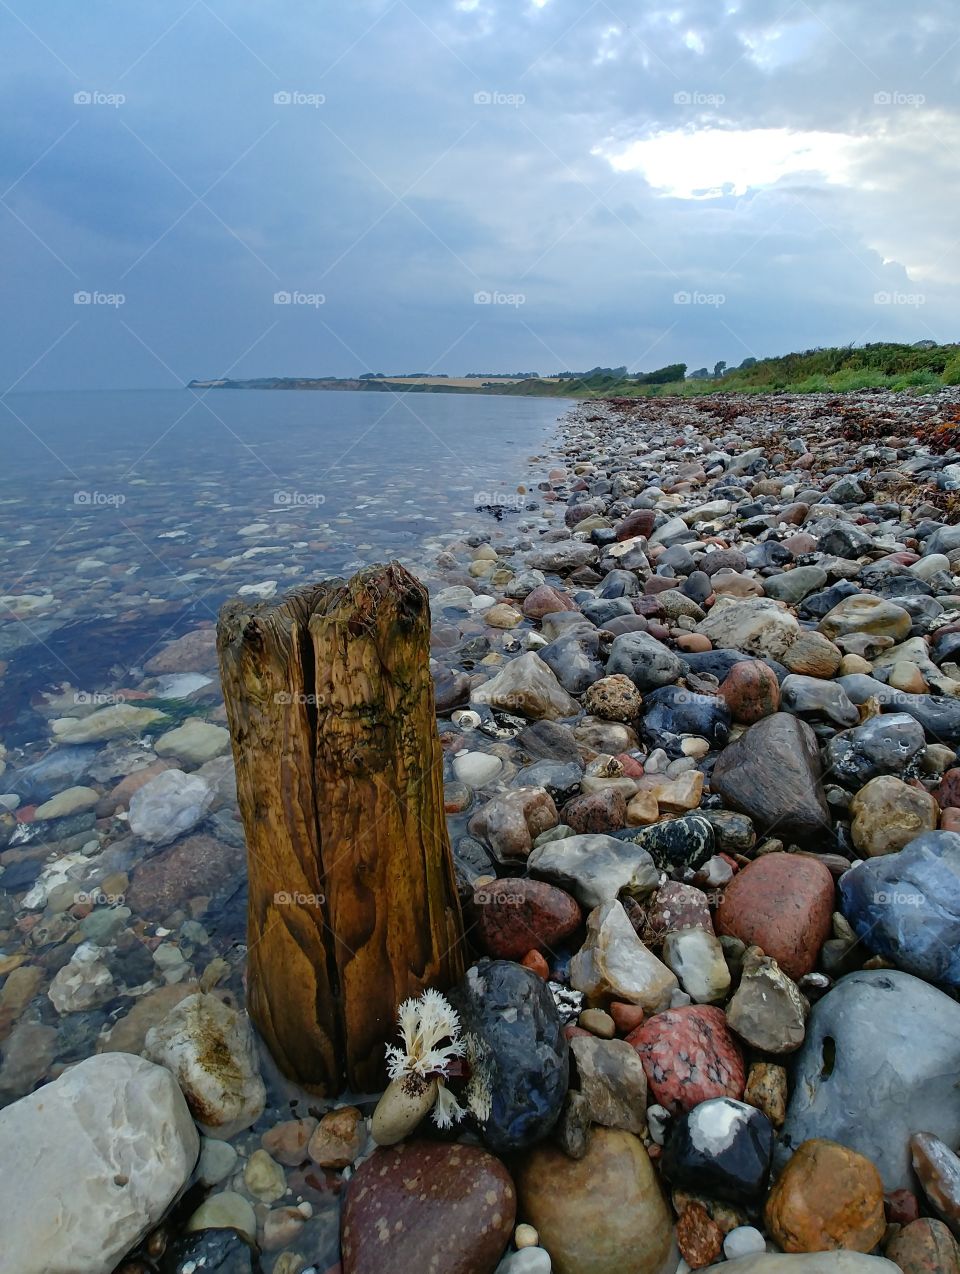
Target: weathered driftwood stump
[[353, 902]]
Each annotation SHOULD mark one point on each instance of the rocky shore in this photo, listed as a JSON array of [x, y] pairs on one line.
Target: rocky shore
[[699, 698]]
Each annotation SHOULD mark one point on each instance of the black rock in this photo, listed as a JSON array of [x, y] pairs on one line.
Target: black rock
[[819, 604], [888, 744], [619, 583], [946, 646], [526, 1059], [19, 877], [677, 845], [697, 587], [768, 553], [722, 1148], [734, 833], [674, 710], [218, 1251], [723, 559], [601, 610], [678, 559]]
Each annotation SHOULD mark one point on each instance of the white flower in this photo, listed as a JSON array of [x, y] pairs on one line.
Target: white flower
[[447, 1110], [424, 1024]]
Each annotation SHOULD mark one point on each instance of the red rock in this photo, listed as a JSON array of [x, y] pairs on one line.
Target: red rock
[[423, 1206], [781, 903], [627, 1017], [604, 811], [699, 1237], [534, 961], [902, 1206], [689, 1055], [751, 691], [639, 522], [632, 768], [658, 584], [948, 793], [193, 652], [571, 1031], [924, 1246], [950, 820], [287, 1141], [544, 600], [648, 605], [794, 514], [802, 542], [660, 631], [694, 642], [516, 915], [192, 866]]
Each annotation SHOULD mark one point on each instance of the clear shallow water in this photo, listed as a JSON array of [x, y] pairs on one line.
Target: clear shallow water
[[128, 517]]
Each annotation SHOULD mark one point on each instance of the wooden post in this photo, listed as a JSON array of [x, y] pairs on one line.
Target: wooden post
[[353, 902]]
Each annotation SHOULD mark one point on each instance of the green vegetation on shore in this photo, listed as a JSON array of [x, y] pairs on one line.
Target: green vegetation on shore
[[884, 365]]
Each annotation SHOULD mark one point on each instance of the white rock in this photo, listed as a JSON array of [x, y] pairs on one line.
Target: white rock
[[210, 1049], [529, 1260], [168, 806], [476, 768], [89, 1164], [261, 591], [107, 723], [83, 983], [194, 742], [744, 1240], [71, 801], [696, 957]]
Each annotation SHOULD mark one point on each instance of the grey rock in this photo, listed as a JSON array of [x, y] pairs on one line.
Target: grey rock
[[888, 744], [906, 906], [816, 697], [647, 662], [793, 586], [879, 1063]]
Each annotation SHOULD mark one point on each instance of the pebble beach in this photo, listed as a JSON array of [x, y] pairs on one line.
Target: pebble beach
[[697, 685]]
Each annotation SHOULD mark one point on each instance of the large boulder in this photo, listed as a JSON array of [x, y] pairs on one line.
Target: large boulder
[[90, 1163], [879, 1063]]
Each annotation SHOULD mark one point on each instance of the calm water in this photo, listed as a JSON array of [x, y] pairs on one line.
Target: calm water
[[127, 517]]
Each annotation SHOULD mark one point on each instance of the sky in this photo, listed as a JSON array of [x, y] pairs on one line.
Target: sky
[[202, 188]]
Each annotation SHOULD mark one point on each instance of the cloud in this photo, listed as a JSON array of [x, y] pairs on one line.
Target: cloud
[[598, 159]]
